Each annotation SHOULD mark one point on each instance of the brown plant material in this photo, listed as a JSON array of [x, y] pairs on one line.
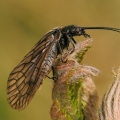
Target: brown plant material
[[74, 94], [110, 107]]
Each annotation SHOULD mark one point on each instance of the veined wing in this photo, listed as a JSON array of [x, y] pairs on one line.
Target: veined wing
[[26, 78]]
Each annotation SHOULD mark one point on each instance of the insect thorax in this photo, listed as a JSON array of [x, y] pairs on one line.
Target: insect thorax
[[72, 30]]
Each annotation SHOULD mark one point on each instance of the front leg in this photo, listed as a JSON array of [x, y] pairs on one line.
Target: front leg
[[72, 41], [60, 51]]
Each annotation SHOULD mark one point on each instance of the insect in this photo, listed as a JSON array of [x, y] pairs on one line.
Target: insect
[[28, 75]]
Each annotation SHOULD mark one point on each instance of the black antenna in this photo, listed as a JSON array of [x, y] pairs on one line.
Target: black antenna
[[103, 28]]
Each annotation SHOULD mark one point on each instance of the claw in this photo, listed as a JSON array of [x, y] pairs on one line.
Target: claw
[[53, 78]]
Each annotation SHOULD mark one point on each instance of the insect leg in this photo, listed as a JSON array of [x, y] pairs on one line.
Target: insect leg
[[60, 50], [53, 78], [84, 33], [71, 40]]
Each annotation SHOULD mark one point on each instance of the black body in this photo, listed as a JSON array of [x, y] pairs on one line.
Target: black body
[[28, 75]]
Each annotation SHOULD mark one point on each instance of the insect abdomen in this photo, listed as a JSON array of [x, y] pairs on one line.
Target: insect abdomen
[[49, 60]]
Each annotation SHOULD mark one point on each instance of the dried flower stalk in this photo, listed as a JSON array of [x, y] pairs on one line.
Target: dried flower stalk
[[110, 107]]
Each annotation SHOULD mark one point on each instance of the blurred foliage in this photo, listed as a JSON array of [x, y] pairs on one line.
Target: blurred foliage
[[24, 22]]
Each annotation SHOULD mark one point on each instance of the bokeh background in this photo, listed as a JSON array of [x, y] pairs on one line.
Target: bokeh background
[[24, 22]]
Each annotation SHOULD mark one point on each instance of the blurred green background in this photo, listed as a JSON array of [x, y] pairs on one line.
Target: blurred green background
[[24, 22]]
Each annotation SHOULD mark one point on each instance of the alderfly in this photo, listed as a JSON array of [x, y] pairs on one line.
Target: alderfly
[[28, 75]]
